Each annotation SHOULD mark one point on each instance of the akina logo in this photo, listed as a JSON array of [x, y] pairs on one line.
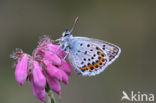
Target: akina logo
[[137, 97]]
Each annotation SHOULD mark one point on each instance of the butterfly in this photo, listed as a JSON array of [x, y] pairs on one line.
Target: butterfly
[[88, 56]]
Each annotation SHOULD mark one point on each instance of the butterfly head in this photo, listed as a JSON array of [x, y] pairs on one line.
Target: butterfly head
[[66, 33], [67, 37]]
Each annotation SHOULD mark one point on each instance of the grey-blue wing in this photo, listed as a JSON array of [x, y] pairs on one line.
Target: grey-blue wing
[[112, 51], [87, 58]]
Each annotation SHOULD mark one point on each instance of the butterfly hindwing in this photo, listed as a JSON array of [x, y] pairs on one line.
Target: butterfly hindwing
[[111, 50], [87, 58]]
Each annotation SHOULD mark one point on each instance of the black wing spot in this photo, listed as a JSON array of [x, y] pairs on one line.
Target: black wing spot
[[97, 48], [97, 61], [85, 52], [92, 68], [88, 59], [82, 62], [99, 57], [92, 57], [88, 45], [81, 44], [88, 63], [98, 52], [91, 50], [93, 63], [84, 59], [78, 51]]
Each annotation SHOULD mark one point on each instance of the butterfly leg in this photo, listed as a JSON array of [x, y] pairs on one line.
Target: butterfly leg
[[66, 50], [58, 48], [65, 56], [56, 41]]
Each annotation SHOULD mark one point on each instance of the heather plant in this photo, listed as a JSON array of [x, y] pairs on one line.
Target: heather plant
[[44, 69]]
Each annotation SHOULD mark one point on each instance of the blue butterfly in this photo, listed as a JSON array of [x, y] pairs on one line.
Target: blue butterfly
[[88, 56]]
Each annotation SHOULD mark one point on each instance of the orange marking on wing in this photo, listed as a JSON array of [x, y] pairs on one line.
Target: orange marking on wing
[[100, 54], [98, 63], [100, 60], [97, 48], [90, 66], [95, 65], [84, 68]]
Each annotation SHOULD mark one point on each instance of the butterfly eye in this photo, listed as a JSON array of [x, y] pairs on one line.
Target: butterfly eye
[[66, 34]]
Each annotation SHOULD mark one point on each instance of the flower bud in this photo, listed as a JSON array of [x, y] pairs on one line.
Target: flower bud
[[38, 92], [54, 85], [64, 77], [50, 56], [56, 49], [65, 67], [21, 68], [51, 70], [38, 77]]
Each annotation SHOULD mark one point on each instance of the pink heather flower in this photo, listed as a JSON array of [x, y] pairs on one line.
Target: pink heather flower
[[54, 72], [37, 91], [50, 56], [38, 77], [64, 77], [55, 48], [65, 67], [21, 68], [46, 65], [54, 85], [51, 70]]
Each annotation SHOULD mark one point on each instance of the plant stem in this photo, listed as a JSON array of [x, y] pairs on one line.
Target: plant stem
[[50, 95]]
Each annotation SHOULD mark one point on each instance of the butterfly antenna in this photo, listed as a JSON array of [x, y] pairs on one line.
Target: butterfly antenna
[[75, 22]]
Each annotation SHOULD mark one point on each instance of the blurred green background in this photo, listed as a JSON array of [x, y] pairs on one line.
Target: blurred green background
[[128, 24]]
